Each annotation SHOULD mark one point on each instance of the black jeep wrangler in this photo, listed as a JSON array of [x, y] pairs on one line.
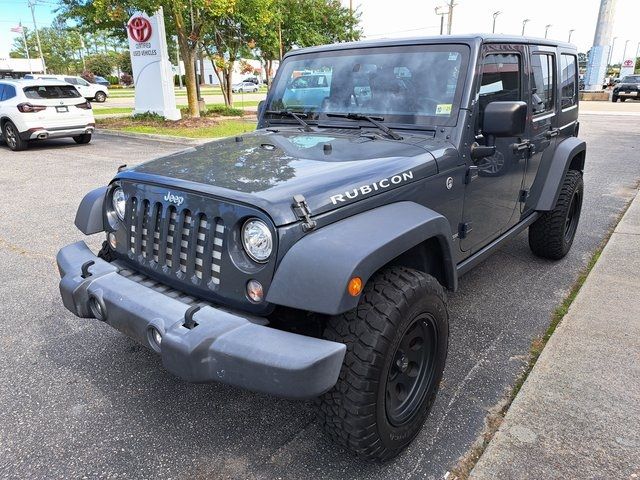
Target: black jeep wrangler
[[311, 257]]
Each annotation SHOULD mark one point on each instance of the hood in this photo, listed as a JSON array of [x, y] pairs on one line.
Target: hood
[[331, 168]]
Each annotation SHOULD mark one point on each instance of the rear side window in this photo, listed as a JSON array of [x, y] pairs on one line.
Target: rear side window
[[70, 80], [568, 80], [1, 90], [8, 92], [51, 91], [543, 82]]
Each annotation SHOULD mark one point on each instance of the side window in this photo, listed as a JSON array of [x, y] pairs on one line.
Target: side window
[[500, 79], [542, 82], [568, 80], [71, 80], [8, 93], [1, 90]]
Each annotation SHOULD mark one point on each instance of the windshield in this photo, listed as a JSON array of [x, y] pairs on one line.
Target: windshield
[[634, 79], [416, 85]]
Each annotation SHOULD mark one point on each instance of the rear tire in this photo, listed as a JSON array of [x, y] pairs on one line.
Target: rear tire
[[397, 339], [551, 235], [82, 139], [12, 138], [100, 97], [622, 99]]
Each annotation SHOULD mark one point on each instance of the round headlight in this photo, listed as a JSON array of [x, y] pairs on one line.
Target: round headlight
[[118, 201], [257, 240]]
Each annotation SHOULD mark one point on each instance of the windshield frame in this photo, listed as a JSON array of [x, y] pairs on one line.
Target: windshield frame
[[421, 122]]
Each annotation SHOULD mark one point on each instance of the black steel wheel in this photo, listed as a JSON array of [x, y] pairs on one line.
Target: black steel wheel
[[397, 339], [552, 235]]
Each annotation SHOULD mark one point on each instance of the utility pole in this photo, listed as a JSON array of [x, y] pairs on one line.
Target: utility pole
[[546, 30], [524, 24], [351, 16], [178, 61], [570, 32], [624, 53], [442, 12], [495, 15], [280, 38], [450, 16], [611, 53], [26, 46], [32, 5]]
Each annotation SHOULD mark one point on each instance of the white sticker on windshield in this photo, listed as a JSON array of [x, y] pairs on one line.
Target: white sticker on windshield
[[443, 109], [453, 56]]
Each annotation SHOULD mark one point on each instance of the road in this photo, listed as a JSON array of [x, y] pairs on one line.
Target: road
[[79, 400]]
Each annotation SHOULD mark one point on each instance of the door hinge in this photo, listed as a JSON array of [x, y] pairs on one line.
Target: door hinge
[[523, 195], [464, 229], [302, 211], [471, 175]]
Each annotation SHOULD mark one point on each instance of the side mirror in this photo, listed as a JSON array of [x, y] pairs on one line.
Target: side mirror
[[504, 119], [260, 107]]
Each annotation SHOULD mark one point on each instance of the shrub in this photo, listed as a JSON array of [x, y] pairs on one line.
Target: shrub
[[88, 76], [126, 79]]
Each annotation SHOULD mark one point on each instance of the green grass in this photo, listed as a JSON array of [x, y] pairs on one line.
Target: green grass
[[130, 92], [217, 108], [226, 128]]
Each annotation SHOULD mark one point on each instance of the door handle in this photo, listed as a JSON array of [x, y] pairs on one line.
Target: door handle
[[552, 132], [522, 146]]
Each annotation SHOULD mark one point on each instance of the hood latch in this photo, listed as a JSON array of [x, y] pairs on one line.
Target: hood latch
[[301, 209]]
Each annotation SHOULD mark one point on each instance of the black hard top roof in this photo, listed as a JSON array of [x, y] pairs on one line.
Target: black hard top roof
[[471, 39]]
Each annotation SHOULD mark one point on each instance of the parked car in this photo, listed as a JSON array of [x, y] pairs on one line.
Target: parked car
[[254, 80], [102, 81], [310, 258], [629, 87], [311, 89], [244, 87], [90, 91], [40, 109]]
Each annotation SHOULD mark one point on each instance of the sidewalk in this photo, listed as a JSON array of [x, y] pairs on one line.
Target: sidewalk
[[578, 413]]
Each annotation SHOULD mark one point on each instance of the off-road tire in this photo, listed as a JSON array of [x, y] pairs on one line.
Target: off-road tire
[[82, 139], [622, 99], [100, 97], [11, 137], [106, 253], [354, 412], [551, 235], [614, 98]]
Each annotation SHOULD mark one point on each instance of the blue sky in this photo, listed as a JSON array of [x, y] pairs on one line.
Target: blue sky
[[14, 11]]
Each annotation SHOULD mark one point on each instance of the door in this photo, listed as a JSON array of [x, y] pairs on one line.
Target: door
[[543, 130], [492, 196]]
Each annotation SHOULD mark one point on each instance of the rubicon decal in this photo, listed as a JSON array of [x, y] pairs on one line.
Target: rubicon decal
[[373, 187]]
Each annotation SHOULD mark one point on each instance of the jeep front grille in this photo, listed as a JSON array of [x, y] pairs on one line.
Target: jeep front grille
[[184, 244]]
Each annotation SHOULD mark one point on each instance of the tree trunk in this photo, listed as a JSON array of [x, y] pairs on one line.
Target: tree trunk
[[188, 57], [229, 83], [201, 59], [267, 69]]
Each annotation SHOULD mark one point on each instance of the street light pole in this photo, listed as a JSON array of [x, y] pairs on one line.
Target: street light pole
[[32, 4], [440, 11], [450, 17], [570, 32], [546, 30], [524, 24], [624, 53], [613, 43], [495, 15]]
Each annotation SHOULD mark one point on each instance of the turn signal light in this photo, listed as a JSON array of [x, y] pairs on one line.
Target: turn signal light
[[355, 286]]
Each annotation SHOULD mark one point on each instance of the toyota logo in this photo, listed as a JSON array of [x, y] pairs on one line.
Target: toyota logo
[[139, 29]]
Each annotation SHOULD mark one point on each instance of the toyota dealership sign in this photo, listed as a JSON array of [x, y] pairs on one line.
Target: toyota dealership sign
[[152, 72]]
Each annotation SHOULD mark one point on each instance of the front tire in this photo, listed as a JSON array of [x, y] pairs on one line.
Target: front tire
[[551, 235], [12, 137], [397, 340], [82, 139]]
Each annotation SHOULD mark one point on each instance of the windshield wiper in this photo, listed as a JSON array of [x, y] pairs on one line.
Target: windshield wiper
[[295, 115], [374, 120]]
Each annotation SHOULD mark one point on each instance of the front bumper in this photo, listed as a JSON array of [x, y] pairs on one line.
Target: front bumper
[[223, 346]]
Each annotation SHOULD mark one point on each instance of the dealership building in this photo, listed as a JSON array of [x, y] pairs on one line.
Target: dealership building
[[19, 67]]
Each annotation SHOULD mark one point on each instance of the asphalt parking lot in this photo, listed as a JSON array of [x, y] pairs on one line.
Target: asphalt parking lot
[[78, 399]]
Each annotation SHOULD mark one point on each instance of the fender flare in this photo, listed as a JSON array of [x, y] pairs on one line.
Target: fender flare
[[314, 273], [565, 152], [89, 218]]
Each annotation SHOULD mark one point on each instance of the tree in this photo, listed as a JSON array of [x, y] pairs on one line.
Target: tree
[[100, 64], [187, 19], [123, 62]]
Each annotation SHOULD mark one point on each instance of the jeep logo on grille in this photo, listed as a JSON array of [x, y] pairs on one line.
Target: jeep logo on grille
[[171, 198]]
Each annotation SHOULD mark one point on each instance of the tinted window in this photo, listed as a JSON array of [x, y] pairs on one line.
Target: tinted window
[[500, 79], [9, 92], [542, 82], [70, 80], [1, 90], [51, 91], [419, 84], [631, 79], [569, 80], [81, 81]]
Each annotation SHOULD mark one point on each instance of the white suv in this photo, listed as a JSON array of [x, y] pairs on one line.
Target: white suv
[[41, 109], [90, 91]]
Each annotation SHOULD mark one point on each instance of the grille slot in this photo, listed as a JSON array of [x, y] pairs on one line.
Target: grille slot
[[178, 242]]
